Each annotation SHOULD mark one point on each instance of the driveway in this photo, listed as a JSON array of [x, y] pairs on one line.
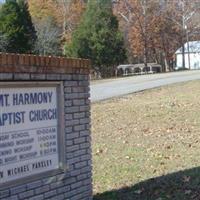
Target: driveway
[[105, 89]]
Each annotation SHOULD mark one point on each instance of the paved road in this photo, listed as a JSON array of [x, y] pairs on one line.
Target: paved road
[[106, 89]]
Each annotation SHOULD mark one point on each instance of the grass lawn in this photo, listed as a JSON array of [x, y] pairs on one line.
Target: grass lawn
[[146, 145]]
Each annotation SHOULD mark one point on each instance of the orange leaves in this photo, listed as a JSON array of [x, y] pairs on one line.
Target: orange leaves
[[143, 24], [66, 13]]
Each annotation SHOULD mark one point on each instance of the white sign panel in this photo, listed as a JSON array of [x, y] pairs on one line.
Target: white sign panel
[[28, 131]]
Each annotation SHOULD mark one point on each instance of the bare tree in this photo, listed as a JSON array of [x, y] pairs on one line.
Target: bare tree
[[183, 15], [64, 9], [48, 38], [69, 14]]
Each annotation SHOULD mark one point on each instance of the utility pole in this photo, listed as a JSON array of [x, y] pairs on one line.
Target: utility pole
[[145, 32], [188, 47], [183, 34]]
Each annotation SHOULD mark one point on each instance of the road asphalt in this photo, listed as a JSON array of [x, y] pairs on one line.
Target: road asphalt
[[106, 89]]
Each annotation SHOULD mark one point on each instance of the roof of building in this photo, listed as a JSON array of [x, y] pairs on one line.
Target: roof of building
[[139, 65], [194, 47]]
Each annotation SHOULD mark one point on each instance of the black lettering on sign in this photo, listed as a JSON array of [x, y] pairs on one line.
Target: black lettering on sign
[[6, 152], [18, 170], [6, 144], [28, 155], [46, 138], [4, 100], [19, 135], [23, 149], [12, 118], [42, 115], [46, 131], [32, 98], [47, 144], [49, 151], [4, 137], [25, 141], [42, 164], [11, 159]]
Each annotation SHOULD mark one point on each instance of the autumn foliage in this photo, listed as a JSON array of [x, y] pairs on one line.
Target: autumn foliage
[[67, 13], [154, 29]]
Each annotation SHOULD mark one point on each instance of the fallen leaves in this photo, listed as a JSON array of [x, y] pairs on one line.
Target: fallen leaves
[[168, 147], [146, 135], [187, 192], [186, 179], [139, 191], [99, 151]]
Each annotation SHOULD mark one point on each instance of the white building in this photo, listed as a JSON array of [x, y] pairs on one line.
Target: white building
[[193, 55]]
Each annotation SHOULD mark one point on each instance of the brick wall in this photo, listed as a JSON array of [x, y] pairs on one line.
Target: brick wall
[[76, 182]]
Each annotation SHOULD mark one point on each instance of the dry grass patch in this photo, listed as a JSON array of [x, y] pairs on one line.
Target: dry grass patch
[[147, 135]]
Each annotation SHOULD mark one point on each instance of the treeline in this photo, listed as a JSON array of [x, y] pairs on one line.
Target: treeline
[[73, 28], [155, 29], [109, 32]]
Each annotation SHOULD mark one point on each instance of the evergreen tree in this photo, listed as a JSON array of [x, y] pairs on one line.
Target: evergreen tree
[[98, 38], [3, 42], [29, 29], [16, 26]]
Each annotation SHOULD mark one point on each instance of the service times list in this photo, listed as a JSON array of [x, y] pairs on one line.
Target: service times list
[[28, 147], [18, 148]]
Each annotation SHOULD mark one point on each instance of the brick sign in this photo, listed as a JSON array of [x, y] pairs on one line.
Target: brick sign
[[29, 131], [45, 136]]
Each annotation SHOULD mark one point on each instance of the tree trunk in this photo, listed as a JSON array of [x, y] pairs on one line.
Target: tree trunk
[[145, 56], [166, 63]]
